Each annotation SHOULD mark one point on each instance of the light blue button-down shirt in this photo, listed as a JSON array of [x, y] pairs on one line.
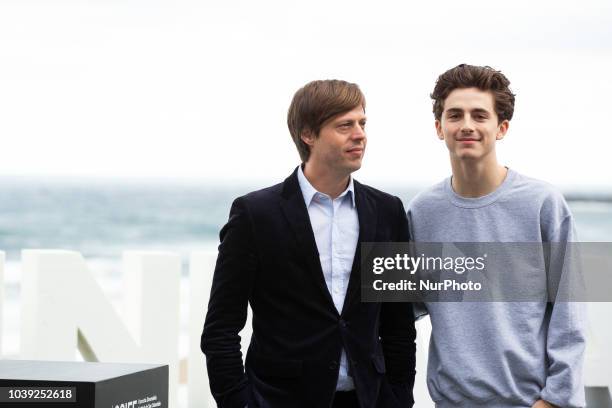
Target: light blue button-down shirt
[[336, 229]]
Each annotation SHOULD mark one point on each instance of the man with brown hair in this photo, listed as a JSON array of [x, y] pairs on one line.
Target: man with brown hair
[[291, 251], [495, 354]]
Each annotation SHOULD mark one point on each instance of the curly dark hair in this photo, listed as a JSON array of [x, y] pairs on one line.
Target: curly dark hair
[[484, 78]]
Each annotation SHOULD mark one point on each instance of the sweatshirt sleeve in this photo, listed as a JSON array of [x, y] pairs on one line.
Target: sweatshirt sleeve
[[419, 309], [567, 327]]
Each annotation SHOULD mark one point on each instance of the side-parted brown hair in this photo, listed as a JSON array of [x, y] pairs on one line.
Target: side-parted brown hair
[[316, 103], [484, 78]]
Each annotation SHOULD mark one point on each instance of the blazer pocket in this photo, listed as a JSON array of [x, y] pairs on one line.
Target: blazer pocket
[[379, 363], [272, 367]]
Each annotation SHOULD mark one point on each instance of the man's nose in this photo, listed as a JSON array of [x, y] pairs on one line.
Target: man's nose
[[467, 125], [358, 132]]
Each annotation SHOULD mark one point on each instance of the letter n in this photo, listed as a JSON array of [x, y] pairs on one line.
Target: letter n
[[64, 309]]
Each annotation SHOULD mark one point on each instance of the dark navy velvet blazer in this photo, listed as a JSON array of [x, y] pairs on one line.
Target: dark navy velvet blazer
[[268, 257]]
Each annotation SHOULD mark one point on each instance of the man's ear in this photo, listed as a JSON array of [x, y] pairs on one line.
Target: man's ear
[[502, 129], [439, 129], [307, 137]]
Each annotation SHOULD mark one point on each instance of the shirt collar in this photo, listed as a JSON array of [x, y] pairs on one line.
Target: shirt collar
[[309, 192]]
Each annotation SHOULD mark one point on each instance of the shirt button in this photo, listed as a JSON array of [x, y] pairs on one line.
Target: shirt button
[[343, 323], [333, 365]]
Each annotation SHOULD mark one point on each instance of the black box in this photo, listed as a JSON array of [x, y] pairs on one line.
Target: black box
[[71, 384]]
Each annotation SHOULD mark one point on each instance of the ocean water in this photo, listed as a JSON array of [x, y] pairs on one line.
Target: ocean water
[[102, 220]]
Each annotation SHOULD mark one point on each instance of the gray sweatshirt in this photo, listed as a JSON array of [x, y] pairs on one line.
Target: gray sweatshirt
[[501, 354]]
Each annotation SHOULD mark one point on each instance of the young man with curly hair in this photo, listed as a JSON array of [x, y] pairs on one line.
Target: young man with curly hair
[[494, 354]]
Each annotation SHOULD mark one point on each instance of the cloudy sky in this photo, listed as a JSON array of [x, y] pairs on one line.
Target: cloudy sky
[[200, 90]]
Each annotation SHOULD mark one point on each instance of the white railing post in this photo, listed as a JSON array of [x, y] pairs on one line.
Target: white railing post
[[201, 268]]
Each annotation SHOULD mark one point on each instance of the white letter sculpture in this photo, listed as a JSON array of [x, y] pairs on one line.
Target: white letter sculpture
[[63, 308]]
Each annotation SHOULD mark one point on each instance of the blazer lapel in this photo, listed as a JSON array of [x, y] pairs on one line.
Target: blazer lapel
[[368, 218], [294, 209]]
